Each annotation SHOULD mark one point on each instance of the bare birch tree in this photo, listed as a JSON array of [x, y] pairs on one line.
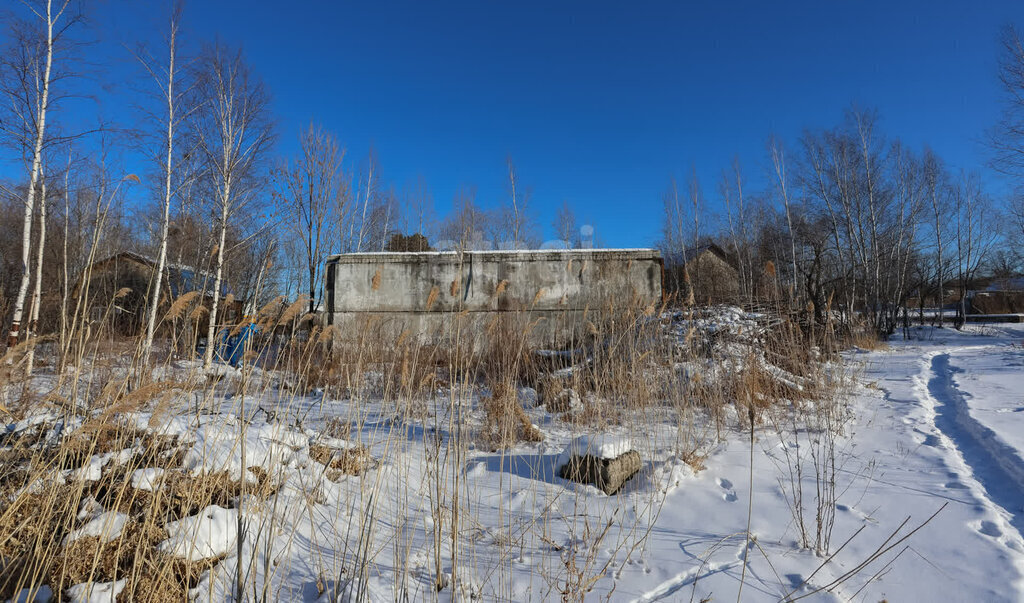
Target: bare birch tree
[[233, 132], [33, 317], [936, 190], [29, 95], [166, 78], [782, 187], [1007, 138], [517, 215], [369, 194]]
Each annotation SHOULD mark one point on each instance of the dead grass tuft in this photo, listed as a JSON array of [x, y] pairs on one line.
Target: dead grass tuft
[[505, 421], [349, 461]]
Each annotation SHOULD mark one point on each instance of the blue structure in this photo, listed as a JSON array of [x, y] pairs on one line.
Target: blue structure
[[231, 348]]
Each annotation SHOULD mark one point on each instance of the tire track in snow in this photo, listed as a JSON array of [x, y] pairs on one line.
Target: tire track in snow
[[996, 466]]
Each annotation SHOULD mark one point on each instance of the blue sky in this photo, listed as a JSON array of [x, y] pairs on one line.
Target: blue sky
[[598, 103]]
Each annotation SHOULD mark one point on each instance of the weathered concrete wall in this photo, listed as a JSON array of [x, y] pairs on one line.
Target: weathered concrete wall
[[419, 292]]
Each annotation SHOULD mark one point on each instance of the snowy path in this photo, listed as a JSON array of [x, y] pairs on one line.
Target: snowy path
[[996, 465]]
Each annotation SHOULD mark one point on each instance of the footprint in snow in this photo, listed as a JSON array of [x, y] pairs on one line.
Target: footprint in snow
[[730, 494], [989, 528]]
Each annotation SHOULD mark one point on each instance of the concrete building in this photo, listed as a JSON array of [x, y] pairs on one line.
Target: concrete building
[[549, 290]]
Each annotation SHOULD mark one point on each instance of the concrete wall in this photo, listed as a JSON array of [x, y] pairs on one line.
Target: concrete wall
[[420, 292]]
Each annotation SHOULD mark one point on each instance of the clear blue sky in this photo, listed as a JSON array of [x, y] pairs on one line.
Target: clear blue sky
[[598, 103]]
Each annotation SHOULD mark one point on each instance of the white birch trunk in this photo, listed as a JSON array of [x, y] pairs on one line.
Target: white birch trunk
[[218, 274], [161, 260], [37, 158], [33, 319], [366, 202]]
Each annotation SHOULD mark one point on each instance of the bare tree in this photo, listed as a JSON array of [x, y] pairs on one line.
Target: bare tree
[[517, 214], [782, 187], [420, 218], [28, 79], [974, 235], [232, 132], [311, 190], [731, 188], [674, 238], [1007, 138], [369, 193], [564, 225], [464, 226], [936, 191], [104, 198], [165, 75], [33, 317]]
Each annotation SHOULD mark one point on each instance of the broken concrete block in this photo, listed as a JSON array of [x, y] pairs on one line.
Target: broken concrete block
[[606, 474], [603, 461]]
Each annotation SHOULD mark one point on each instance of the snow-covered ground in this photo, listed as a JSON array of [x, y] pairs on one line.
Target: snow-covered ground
[[928, 500]]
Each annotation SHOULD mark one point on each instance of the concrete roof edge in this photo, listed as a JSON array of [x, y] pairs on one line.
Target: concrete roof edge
[[552, 254]]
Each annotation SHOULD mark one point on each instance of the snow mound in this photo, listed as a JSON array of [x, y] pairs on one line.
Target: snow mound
[[602, 446], [91, 471], [107, 526], [216, 447], [147, 479], [211, 533], [96, 592]]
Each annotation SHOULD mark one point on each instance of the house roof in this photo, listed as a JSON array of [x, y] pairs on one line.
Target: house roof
[[693, 253], [180, 278], [1015, 283]]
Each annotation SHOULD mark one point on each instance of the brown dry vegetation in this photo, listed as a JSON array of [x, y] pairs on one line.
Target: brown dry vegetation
[[626, 367]]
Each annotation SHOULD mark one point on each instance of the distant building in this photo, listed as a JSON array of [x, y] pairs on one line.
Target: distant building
[[997, 296], [713, 278], [135, 273]]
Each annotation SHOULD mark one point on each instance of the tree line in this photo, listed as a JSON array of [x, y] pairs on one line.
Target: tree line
[[852, 225], [850, 222], [219, 201]]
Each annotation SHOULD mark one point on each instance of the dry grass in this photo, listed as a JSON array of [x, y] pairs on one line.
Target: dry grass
[[348, 461], [505, 422], [623, 374], [38, 511]]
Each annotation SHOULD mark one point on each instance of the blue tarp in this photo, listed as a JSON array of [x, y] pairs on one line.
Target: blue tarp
[[231, 348]]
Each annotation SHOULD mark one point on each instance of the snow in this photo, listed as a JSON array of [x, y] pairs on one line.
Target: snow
[[147, 479], [89, 509], [215, 447], [28, 595], [934, 440], [91, 471], [989, 376], [93, 592], [211, 533], [107, 526], [602, 446]]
